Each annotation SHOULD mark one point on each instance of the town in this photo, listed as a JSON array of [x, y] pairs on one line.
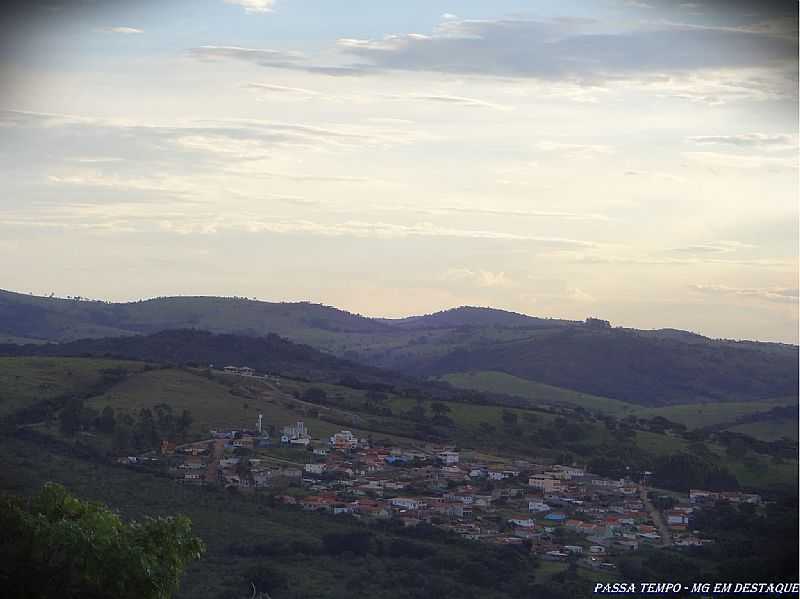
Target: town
[[559, 512]]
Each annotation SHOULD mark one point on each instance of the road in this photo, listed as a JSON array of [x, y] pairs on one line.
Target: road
[[658, 519]]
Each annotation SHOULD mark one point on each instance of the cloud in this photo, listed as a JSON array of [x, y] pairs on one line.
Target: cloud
[[134, 218], [481, 278], [637, 4], [260, 56], [567, 49], [772, 294], [398, 231], [655, 175], [254, 6], [573, 150], [715, 247], [579, 295], [191, 143], [454, 100], [555, 50], [659, 259], [742, 161], [122, 30], [114, 182], [523, 213], [777, 141], [282, 90], [716, 87]]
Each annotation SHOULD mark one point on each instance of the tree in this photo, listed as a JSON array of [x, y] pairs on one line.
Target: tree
[[146, 431], [70, 417], [121, 441], [56, 545], [265, 578], [107, 423], [314, 395], [165, 420], [509, 418], [439, 409], [184, 423]]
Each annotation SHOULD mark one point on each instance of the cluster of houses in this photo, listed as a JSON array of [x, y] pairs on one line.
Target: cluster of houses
[[560, 512]]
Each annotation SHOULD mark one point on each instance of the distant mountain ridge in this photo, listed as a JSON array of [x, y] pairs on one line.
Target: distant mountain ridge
[[648, 367], [470, 316]]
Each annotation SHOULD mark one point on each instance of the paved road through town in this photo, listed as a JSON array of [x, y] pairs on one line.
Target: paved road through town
[[658, 519]]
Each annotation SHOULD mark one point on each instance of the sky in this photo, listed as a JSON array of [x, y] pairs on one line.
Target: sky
[[629, 160]]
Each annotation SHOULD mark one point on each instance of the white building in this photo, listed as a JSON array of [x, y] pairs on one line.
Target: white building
[[544, 483], [407, 503], [538, 506], [344, 440], [314, 468], [569, 472], [297, 430], [448, 457]]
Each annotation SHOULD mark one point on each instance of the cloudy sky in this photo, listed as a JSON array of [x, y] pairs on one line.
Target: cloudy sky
[[632, 160]]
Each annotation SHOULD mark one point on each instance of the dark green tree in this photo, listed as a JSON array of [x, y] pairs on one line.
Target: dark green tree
[[439, 409], [509, 418], [56, 545], [69, 419], [185, 423], [107, 422]]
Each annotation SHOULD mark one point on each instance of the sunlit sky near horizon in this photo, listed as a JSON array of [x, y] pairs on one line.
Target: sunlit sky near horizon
[[631, 160]]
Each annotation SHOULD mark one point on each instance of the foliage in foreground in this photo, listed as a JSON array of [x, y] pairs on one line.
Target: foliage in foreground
[[56, 545]]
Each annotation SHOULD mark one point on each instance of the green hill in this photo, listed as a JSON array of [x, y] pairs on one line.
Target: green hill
[[592, 359]]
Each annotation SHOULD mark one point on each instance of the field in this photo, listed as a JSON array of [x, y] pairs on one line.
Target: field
[[536, 393], [691, 415], [768, 430], [217, 400], [710, 414], [24, 381]]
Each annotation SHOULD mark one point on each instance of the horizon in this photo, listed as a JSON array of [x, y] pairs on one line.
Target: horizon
[[398, 159], [614, 324]]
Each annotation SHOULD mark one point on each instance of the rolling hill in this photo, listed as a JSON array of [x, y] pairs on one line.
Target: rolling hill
[[641, 368], [624, 365]]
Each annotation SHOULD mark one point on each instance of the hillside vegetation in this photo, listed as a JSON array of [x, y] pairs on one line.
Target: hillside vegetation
[[591, 363]]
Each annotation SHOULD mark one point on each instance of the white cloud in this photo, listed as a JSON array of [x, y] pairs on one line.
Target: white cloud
[[573, 150], [742, 161], [579, 295], [454, 100], [772, 294], [254, 6], [714, 247], [122, 30], [481, 278], [282, 90], [261, 56], [769, 141], [554, 50]]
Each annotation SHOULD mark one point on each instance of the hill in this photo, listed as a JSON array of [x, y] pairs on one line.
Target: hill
[[270, 354], [645, 368], [624, 365], [470, 316]]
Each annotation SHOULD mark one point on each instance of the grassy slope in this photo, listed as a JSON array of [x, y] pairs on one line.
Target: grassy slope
[[768, 430], [213, 405], [24, 381], [690, 415], [537, 393]]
